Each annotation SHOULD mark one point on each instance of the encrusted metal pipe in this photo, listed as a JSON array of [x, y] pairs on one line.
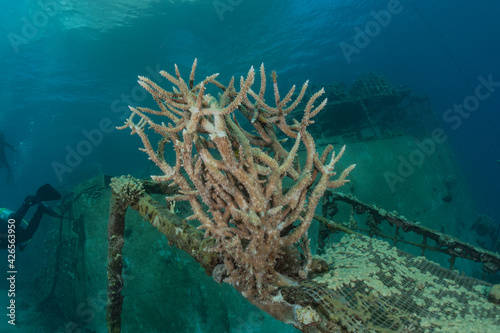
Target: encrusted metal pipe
[[116, 228]]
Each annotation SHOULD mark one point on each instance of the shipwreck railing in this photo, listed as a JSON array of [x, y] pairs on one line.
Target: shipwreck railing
[[306, 295]]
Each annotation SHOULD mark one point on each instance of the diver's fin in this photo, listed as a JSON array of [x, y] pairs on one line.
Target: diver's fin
[[47, 193]]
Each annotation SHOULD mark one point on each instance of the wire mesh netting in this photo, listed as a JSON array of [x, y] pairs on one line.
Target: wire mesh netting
[[56, 282], [373, 287]]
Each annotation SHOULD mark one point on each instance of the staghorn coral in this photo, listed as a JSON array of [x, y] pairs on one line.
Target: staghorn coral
[[233, 179]]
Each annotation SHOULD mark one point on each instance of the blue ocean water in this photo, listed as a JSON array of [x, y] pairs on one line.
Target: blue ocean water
[[66, 66], [68, 71]]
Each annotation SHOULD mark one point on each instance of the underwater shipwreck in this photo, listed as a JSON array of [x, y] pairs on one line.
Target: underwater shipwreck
[[251, 188]]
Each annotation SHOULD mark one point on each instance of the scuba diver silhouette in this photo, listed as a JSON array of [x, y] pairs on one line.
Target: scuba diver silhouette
[[24, 233], [3, 158]]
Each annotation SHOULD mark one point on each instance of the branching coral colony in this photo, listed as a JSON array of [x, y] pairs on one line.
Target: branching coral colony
[[233, 179]]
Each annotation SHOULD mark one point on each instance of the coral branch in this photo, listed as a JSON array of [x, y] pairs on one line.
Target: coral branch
[[233, 179]]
